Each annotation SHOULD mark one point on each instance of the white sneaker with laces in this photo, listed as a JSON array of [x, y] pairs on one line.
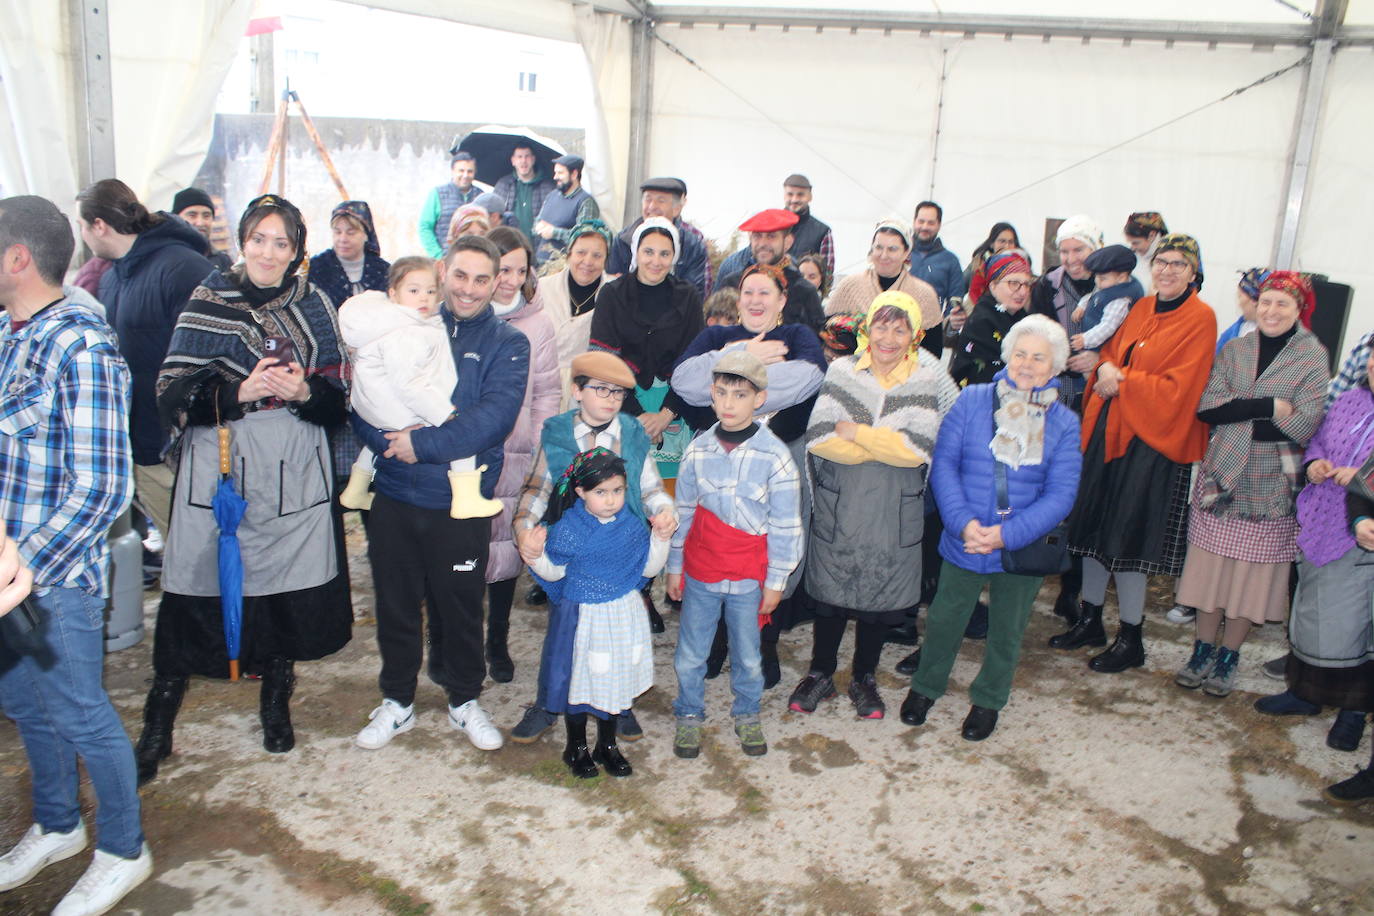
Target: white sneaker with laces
[[37, 850], [385, 722], [1181, 613], [473, 720], [106, 882]]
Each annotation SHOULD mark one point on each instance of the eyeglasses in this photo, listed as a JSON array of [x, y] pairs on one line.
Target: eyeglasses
[[1170, 266], [1016, 285], [605, 391]]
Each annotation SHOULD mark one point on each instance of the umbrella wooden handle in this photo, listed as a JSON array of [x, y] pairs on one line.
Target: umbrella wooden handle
[[233, 669], [225, 465]]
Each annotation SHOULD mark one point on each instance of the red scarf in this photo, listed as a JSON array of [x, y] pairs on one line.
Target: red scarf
[[714, 551]]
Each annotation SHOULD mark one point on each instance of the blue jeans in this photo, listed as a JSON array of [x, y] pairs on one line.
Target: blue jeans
[[701, 611], [50, 685]]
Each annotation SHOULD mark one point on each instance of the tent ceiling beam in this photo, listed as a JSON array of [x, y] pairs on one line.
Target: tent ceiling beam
[[1039, 26], [642, 42], [90, 29]]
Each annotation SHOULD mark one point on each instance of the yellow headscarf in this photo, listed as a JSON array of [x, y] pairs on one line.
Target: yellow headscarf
[[899, 300]]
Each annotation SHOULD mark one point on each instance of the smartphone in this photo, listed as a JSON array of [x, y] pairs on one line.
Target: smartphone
[[282, 349]]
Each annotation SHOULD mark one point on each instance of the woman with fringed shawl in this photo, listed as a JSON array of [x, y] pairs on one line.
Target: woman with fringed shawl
[[296, 603]]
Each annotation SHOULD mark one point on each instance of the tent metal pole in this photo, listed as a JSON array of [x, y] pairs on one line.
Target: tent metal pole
[[1300, 160], [95, 97], [641, 105]]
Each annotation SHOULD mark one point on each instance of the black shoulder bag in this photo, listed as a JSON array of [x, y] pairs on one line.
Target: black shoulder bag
[[1047, 555]]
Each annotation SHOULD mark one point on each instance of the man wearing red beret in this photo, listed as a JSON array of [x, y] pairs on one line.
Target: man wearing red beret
[[770, 236]]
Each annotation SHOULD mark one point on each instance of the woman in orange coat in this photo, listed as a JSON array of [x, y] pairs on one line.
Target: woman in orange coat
[[1141, 435]]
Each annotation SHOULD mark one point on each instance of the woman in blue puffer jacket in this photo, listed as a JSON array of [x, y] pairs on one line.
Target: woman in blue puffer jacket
[[1018, 421]]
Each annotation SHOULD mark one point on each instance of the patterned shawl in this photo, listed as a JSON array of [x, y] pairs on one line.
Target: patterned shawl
[[328, 276], [1020, 421], [219, 335], [1260, 480]]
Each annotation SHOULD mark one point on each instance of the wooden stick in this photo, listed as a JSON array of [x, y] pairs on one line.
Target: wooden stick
[[225, 466], [319, 145], [278, 125], [233, 669]]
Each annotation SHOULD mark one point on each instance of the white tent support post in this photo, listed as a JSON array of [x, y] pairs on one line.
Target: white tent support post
[[641, 106], [1328, 18], [90, 27]]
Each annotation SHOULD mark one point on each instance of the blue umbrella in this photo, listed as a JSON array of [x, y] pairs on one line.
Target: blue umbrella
[[229, 507]]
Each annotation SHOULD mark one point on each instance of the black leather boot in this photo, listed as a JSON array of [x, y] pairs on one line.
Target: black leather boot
[[1070, 584], [575, 751], [499, 665], [159, 714], [655, 618], [1126, 651], [720, 650], [1086, 630], [274, 705], [606, 753]]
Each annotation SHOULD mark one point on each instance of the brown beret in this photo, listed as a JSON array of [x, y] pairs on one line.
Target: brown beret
[[604, 367]]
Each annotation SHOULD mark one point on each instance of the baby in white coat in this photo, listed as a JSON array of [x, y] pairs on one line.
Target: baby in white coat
[[403, 376]]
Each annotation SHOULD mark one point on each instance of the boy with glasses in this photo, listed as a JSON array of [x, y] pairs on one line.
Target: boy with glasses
[[600, 382]]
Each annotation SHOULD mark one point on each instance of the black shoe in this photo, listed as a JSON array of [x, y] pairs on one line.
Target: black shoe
[[1066, 606], [720, 650], [499, 664], [1126, 651], [1356, 790], [274, 706], [1086, 630], [813, 688], [606, 753], [772, 671], [627, 726], [1346, 731], [159, 715], [536, 595], [908, 665], [655, 619], [979, 723], [915, 707], [904, 634], [575, 754], [978, 623]]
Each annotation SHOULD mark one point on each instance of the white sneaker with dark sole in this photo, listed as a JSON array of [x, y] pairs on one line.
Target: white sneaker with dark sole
[[37, 850], [385, 722], [1181, 613], [106, 882], [473, 720]]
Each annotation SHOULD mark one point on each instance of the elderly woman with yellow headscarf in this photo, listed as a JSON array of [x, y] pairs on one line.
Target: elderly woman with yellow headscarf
[[1005, 474], [871, 435]]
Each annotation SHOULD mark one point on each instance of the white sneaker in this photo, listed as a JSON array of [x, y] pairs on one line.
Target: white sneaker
[[386, 722], [105, 883], [473, 719], [1181, 613], [36, 851]]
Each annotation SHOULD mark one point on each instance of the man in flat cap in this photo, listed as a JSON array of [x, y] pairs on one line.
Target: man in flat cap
[[770, 238], [666, 197], [568, 206]]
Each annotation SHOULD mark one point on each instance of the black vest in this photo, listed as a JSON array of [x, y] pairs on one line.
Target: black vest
[[807, 235]]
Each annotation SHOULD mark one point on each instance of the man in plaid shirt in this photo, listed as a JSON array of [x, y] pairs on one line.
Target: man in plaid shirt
[[65, 475]]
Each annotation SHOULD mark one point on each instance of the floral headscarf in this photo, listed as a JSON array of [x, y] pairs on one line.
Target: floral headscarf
[[1299, 286], [1252, 279], [841, 334], [1185, 245], [590, 227]]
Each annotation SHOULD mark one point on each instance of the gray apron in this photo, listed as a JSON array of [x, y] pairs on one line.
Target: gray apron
[[281, 466]]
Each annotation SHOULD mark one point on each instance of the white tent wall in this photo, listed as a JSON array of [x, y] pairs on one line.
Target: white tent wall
[[1341, 187], [167, 62], [859, 118]]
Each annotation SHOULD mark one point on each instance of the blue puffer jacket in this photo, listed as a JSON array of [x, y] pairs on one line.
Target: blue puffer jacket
[[493, 360], [143, 293], [938, 266], [965, 487]]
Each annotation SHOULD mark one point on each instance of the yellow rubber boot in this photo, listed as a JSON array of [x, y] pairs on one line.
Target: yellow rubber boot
[[468, 501], [356, 495]]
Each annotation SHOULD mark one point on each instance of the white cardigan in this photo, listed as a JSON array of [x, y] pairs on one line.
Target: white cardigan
[[573, 335]]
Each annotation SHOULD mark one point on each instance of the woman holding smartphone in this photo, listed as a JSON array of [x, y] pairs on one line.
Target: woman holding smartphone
[[255, 352]]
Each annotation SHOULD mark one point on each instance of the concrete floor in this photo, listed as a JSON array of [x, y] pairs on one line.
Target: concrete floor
[[1096, 794]]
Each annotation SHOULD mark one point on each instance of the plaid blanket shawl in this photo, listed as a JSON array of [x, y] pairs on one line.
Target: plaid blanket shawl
[[1260, 480]]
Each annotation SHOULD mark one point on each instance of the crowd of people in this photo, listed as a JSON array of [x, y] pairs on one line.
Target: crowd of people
[[539, 391]]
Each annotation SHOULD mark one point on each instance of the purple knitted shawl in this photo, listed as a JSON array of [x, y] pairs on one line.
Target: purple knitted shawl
[[1345, 438]]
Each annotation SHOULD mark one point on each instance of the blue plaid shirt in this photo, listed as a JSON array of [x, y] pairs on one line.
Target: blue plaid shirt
[[66, 469], [755, 488], [1352, 370]]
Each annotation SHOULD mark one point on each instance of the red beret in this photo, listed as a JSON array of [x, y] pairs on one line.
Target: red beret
[[770, 221]]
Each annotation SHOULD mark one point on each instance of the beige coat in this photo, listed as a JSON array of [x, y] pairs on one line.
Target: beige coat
[[856, 293]]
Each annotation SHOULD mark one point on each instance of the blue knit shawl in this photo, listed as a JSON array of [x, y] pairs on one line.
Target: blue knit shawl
[[603, 561]]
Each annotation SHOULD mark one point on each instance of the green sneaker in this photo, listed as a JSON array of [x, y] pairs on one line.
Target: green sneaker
[[687, 739], [750, 734]]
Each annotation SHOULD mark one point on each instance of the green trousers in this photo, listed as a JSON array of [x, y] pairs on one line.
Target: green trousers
[[1009, 605]]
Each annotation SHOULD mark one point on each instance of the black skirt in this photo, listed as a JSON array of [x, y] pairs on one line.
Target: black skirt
[[1132, 513], [1343, 688], [301, 625]]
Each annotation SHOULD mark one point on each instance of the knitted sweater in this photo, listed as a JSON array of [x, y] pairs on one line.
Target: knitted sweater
[[909, 411]]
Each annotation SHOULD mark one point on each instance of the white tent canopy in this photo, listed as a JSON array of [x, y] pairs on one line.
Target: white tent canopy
[[996, 114]]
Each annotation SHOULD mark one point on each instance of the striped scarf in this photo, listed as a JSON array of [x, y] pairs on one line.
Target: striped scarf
[[911, 408]]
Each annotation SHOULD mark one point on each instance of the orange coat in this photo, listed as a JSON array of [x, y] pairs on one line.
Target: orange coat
[[1158, 397]]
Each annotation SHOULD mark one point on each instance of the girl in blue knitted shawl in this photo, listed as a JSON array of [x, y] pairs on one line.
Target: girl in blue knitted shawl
[[598, 655]]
